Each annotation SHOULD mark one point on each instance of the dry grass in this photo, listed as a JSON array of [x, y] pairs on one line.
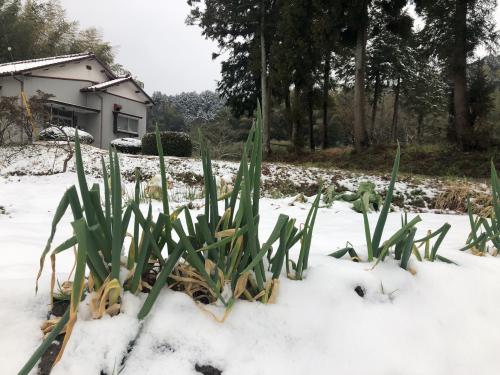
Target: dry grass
[[428, 159], [454, 198]]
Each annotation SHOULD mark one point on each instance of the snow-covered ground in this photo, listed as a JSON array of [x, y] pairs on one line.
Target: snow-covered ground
[[278, 180], [443, 320]]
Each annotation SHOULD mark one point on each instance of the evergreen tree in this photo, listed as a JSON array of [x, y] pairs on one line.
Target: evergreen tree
[[9, 37], [36, 29], [163, 114], [327, 37], [241, 25], [361, 17], [359, 22], [425, 92], [454, 29], [390, 57], [481, 90]]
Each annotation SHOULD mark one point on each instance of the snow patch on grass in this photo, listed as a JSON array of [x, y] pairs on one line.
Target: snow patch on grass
[[278, 180]]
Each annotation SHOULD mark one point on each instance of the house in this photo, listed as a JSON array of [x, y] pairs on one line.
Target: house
[[85, 94]]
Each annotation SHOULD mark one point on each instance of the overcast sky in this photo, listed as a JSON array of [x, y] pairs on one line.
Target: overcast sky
[[153, 41]]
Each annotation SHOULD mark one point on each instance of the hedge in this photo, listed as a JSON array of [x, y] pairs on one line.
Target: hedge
[[127, 145], [173, 143], [64, 133]]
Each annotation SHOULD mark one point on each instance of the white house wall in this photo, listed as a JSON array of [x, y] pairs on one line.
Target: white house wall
[[75, 70], [93, 121], [67, 88], [128, 106], [127, 90], [63, 89], [9, 87]]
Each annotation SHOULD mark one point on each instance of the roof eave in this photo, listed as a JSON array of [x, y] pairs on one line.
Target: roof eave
[[80, 58], [149, 100]]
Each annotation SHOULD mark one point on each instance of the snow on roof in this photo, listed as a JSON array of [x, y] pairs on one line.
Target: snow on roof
[[104, 85], [22, 66], [27, 65]]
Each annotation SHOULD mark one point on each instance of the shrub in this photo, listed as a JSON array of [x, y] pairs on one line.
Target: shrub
[[64, 133], [173, 144], [127, 145]]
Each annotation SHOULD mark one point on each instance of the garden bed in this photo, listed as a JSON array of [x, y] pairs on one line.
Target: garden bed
[[278, 180]]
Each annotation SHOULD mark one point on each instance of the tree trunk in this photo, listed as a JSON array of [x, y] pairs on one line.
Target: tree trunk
[[395, 113], [310, 117], [376, 94], [326, 92], [420, 124], [459, 76], [288, 113], [360, 136], [382, 115], [297, 138], [266, 147], [451, 131]]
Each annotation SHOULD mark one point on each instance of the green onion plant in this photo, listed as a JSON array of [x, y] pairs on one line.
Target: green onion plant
[[402, 243], [484, 237], [223, 245], [99, 234], [220, 249]]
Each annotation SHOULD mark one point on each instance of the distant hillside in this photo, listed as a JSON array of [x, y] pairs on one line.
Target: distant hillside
[[179, 112]]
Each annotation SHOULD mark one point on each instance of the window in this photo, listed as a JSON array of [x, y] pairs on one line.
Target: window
[[127, 124], [60, 117]]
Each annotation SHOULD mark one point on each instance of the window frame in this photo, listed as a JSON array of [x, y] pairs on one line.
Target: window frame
[[67, 117], [128, 116]]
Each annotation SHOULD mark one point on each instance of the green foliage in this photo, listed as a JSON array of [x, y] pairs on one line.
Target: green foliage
[[402, 242], [374, 250], [36, 29], [173, 144], [431, 254], [346, 250], [481, 99], [91, 39], [163, 114], [30, 364], [99, 235], [484, 237], [218, 250], [440, 17], [225, 134], [224, 248], [365, 187]]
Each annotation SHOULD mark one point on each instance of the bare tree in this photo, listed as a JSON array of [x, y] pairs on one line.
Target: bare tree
[[10, 114]]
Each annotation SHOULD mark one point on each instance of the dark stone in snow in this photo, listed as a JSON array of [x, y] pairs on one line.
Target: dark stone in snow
[[164, 347], [359, 291], [207, 370]]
